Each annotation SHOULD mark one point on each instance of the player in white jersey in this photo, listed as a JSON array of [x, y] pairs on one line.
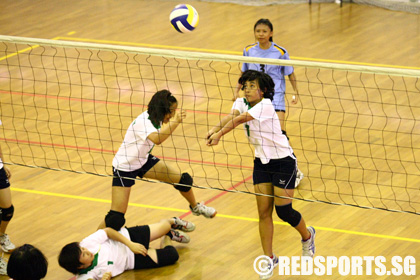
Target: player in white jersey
[[266, 48], [134, 159], [108, 253], [275, 165]]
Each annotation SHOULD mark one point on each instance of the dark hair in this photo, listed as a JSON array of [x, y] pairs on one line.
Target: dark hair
[[27, 263], [160, 105], [265, 82], [69, 257], [267, 22]]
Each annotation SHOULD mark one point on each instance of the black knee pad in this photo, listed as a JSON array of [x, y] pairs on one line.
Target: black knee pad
[[186, 179], [288, 214], [114, 220], [7, 213], [167, 255]]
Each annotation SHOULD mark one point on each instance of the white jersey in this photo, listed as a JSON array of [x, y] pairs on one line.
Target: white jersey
[[110, 256], [136, 147], [264, 131]]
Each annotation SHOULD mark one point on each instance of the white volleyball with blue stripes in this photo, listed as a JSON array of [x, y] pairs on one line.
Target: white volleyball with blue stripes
[[184, 18]]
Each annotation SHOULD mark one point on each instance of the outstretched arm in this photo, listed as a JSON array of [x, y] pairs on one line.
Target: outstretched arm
[[166, 131], [214, 138], [292, 78], [136, 248], [223, 122]]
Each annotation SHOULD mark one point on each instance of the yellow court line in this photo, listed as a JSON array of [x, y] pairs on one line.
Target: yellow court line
[[24, 50], [226, 52], [218, 215], [95, 199]]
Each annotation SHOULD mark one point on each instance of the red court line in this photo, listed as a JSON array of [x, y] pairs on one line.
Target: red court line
[[219, 195], [96, 101]]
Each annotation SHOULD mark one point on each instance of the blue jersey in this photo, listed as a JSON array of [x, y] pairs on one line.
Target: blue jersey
[[276, 72]]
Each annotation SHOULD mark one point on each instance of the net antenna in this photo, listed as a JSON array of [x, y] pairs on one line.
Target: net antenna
[[356, 130]]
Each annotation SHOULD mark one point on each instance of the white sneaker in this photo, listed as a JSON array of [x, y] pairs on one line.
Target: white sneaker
[[183, 225], [299, 177], [3, 266], [180, 236], [270, 269], [5, 243], [201, 209], [308, 246]]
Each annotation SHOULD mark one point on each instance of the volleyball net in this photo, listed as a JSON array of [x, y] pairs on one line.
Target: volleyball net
[[356, 129]]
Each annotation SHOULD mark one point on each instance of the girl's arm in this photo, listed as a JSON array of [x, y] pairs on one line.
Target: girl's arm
[[292, 78], [136, 248], [166, 131], [215, 137], [223, 122]]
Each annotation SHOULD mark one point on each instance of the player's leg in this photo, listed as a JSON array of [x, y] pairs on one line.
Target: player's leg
[[121, 188], [265, 214], [7, 211], [286, 212], [162, 171], [284, 182], [173, 227], [164, 256]]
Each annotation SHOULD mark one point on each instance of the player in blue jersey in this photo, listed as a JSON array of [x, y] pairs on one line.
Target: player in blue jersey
[[266, 48]]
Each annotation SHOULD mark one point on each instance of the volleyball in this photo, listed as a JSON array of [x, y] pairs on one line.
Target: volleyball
[[184, 18]]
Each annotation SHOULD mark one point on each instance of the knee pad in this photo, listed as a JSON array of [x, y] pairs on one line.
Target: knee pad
[[114, 220], [186, 179], [288, 214], [167, 256], [7, 213]]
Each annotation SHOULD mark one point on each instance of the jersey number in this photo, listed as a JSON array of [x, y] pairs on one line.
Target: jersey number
[[247, 130]]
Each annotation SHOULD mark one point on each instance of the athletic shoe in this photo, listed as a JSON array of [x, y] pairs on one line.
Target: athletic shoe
[[299, 177], [180, 236], [3, 266], [308, 246], [5, 243], [183, 225], [270, 274], [201, 209]]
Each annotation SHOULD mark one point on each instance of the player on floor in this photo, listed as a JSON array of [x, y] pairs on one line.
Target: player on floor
[[27, 263], [134, 159], [108, 253], [6, 211], [266, 48], [274, 164]]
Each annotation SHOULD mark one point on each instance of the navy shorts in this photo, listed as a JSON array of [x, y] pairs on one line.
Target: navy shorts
[[279, 172], [166, 256], [121, 178], [141, 234], [4, 181]]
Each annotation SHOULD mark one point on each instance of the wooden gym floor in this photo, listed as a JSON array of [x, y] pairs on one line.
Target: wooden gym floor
[[55, 208]]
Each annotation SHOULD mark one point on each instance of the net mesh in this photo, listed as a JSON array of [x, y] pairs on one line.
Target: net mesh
[[409, 6], [66, 106]]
